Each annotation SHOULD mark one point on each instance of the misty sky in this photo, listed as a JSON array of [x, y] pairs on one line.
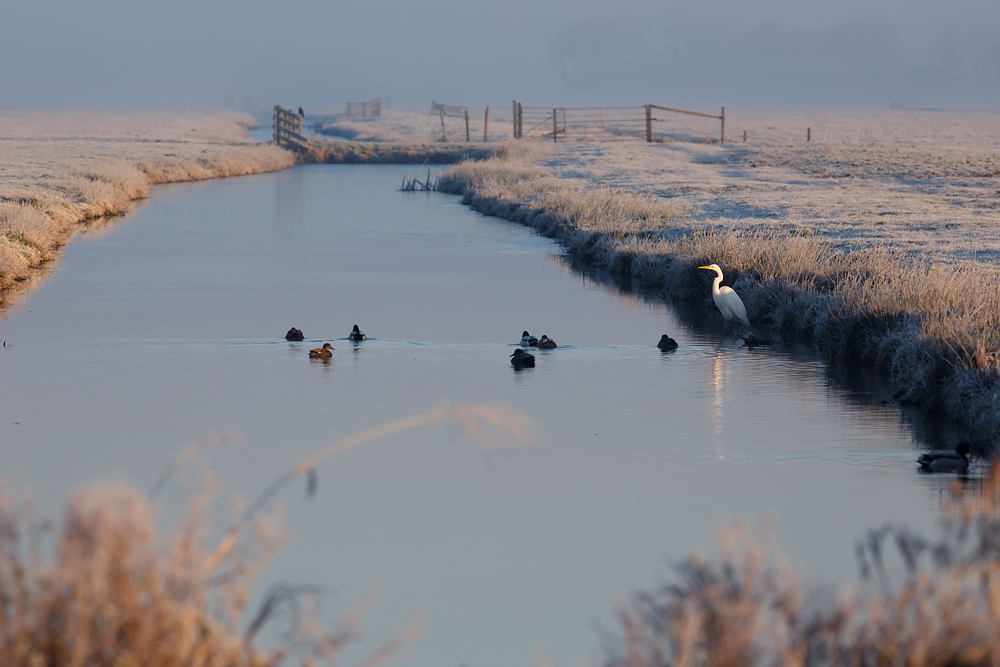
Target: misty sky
[[252, 54]]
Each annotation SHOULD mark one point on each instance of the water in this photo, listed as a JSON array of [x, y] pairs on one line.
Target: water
[[167, 327]]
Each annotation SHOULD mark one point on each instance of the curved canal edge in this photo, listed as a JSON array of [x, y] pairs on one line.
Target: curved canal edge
[[876, 306], [65, 169]]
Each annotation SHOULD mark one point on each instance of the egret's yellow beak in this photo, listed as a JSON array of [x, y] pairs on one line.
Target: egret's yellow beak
[[704, 267]]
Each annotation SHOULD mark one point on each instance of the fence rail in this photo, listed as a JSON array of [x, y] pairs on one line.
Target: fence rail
[[583, 123], [448, 109], [288, 129], [371, 109]]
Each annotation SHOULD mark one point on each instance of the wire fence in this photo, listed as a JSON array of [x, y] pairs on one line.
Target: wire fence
[[651, 122]]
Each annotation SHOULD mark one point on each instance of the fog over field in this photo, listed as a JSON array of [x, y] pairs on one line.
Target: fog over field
[[321, 53]]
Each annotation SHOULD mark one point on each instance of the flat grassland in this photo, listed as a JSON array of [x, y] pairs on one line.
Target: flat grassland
[[61, 168]]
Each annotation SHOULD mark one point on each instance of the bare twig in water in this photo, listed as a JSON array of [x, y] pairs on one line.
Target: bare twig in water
[[190, 452], [490, 424]]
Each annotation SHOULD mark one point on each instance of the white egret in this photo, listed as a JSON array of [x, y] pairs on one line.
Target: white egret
[[726, 300]]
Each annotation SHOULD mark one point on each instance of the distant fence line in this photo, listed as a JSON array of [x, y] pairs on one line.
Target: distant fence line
[[288, 129], [563, 123], [371, 109]]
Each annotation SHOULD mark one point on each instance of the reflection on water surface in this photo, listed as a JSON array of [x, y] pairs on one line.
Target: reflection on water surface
[[170, 327]]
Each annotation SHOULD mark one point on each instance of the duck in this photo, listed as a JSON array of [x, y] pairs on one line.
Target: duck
[[322, 352], [521, 359], [667, 343], [956, 461], [356, 334], [727, 301], [527, 340], [294, 334], [546, 343]]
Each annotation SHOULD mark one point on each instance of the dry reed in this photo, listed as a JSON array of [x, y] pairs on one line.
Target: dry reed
[[934, 329], [919, 602], [105, 588]]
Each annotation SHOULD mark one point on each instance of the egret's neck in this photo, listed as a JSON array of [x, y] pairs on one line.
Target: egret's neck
[[716, 283]]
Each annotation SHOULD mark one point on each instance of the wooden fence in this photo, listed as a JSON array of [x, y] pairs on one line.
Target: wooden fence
[[288, 129], [355, 110], [448, 109], [582, 123]]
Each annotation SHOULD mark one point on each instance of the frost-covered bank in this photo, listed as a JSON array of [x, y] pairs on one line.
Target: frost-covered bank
[[58, 169], [918, 295]]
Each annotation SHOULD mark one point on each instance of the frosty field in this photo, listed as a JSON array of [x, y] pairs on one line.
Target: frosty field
[[59, 168]]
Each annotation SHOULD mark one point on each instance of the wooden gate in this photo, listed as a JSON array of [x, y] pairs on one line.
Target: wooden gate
[[288, 129]]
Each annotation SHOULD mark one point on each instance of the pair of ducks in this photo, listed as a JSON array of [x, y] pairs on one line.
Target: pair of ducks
[[355, 335], [326, 351], [546, 343]]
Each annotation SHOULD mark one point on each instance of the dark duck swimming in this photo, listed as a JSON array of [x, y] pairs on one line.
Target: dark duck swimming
[[667, 343], [956, 461], [521, 359]]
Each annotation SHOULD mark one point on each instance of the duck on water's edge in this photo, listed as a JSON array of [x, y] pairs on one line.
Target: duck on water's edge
[[322, 352], [956, 461]]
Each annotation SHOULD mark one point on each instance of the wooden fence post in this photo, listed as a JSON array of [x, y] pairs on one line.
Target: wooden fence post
[[466, 126], [809, 134], [744, 136], [723, 117], [520, 120], [555, 127], [515, 119], [486, 126], [649, 123]]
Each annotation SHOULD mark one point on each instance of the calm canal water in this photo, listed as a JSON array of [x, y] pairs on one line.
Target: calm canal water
[[167, 327]]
